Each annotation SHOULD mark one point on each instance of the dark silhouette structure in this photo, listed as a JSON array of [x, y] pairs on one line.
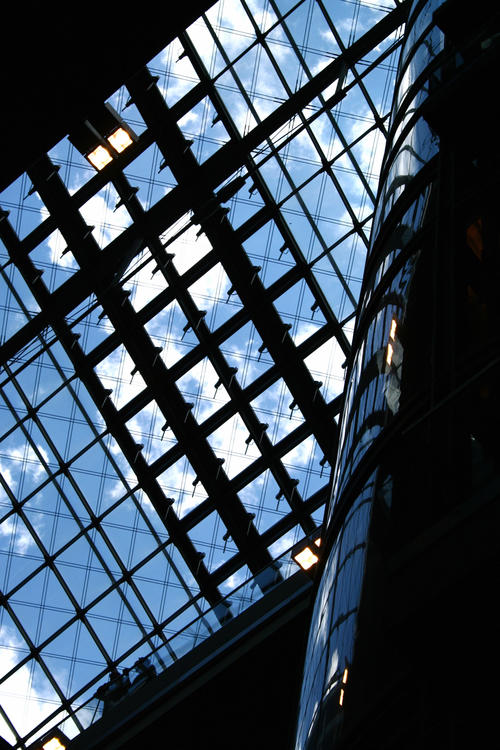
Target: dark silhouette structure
[[185, 216], [403, 639], [164, 442]]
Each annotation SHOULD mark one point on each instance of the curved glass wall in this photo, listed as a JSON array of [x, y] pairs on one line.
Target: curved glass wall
[[419, 428], [381, 384]]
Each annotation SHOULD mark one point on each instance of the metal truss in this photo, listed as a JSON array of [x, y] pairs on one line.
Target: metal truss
[[172, 374]]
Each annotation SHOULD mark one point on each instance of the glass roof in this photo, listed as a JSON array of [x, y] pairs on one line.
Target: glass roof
[[174, 329]]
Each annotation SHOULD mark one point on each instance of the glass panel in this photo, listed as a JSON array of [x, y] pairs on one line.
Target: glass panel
[[89, 568]]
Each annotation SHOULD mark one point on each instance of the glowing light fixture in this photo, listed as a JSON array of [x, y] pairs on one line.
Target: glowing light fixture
[[388, 356], [99, 157], [56, 740], [306, 558], [120, 140], [53, 744], [102, 137], [344, 680], [392, 337]]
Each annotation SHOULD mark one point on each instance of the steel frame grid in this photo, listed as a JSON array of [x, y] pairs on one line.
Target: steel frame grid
[[100, 278]]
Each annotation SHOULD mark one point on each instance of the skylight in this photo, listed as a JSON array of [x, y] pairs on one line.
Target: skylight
[[173, 333]]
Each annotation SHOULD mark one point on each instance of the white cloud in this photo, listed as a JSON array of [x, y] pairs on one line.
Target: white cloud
[[22, 459], [235, 580], [301, 454], [23, 540], [99, 212], [238, 356], [283, 544], [304, 330], [188, 248], [263, 16], [29, 459], [325, 365], [232, 25], [370, 150], [177, 482], [228, 442], [212, 286], [58, 246], [25, 703], [116, 372]]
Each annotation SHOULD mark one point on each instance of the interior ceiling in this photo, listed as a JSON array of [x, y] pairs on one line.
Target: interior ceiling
[[56, 67], [174, 327]]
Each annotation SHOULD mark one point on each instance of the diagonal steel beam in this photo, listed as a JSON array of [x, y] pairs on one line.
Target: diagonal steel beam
[[213, 172]]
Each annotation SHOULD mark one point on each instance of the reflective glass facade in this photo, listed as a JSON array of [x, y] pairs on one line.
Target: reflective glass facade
[[174, 332], [418, 435]]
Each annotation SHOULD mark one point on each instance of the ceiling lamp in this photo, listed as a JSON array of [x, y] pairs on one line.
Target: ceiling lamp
[[55, 740], [99, 157], [102, 137], [120, 139], [306, 554], [53, 744]]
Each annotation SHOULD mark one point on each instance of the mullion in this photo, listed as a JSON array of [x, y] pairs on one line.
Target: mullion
[[282, 225], [35, 654], [200, 348], [97, 524], [220, 233], [359, 79], [251, 391], [143, 472], [218, 360], [220, 107], [76, 354], [172, 405], [271, 535], [215, 356], [329, 114], [216, 167], [88, 537], [64, 468], [302, 116], [260, 35], [98, 438], [258, 467], [139, 98], [10, 726], [27, 264]]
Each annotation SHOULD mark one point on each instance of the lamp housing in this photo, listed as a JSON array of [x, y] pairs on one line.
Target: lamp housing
[[102, 136]]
